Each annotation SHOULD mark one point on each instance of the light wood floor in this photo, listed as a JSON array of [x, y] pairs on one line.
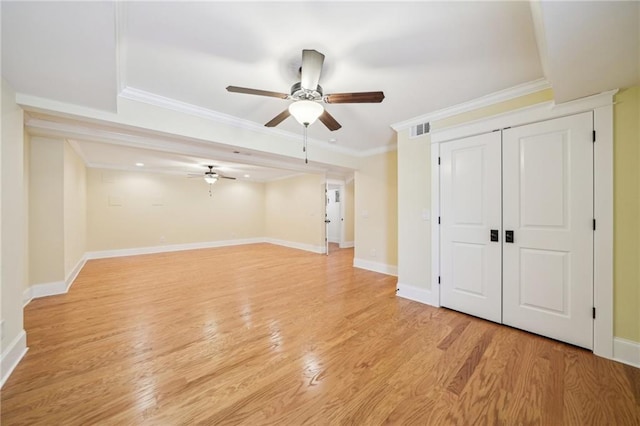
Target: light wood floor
[[262, 334]]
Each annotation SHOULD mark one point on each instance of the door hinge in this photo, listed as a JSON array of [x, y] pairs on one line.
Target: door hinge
[[594, 224], [594, 312], [438, 220], [438, 279], [438, 161], [594, 136]]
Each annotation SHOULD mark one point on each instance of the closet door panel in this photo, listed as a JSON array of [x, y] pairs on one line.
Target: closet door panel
[[470, 209], [548, 205]]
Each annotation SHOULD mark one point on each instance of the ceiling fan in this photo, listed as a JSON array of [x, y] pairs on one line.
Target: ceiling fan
[[308, 96], [210, 176]]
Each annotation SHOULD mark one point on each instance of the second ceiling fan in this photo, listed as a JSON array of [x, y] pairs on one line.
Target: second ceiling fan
[[308, 95]]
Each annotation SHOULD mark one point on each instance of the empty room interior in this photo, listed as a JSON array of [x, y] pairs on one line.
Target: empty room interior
[[313, 212]]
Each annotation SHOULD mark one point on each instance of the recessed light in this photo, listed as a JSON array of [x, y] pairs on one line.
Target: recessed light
[[333, 140], [140, 164], [247, 176]]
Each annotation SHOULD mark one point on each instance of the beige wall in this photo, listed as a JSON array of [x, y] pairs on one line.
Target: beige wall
[[349, 211], [140, 209], [376, 211], [414, 200], [46, 211], [12, 218], [75, 209], [294, 210], [627, 214], [26, 173]]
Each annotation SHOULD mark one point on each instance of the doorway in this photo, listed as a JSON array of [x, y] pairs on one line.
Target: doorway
[[334, 204]]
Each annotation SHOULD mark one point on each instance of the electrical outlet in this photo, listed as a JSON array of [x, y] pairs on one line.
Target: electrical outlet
[[162, 239], [373, 252]]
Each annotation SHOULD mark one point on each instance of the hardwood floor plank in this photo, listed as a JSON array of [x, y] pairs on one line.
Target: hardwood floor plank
[[262, 334]]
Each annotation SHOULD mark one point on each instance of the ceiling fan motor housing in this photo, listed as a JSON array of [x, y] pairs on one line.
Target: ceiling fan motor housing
[[298, 93]]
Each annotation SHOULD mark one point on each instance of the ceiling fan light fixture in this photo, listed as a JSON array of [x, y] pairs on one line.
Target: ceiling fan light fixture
[[210, 179], [306, 112]]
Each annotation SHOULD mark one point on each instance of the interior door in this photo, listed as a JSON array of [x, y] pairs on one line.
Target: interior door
[[333, 208], [548, 210], [326, 218], [471, 264]]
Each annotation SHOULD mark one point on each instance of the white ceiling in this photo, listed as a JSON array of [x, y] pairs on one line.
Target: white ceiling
[[425, 56]]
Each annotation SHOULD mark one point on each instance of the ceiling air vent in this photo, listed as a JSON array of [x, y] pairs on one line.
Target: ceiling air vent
[[420, 129]]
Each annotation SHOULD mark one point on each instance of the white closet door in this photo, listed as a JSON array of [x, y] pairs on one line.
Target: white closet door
[[548, 204], [470, 209]]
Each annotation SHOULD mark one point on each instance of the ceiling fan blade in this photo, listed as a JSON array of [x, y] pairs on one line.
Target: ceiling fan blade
[[278, 118], [247, 91], [227, 177], [354, 98], [328, 120], [312, 61]]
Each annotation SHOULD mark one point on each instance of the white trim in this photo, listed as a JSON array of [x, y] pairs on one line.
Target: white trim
[[603, 236], [376, 151], [435, 226], [531, 114], [48, 289], [347, 244], [168, 248], [71, 277], [295, 245], [27, 296], [55, 287], [626, 351], [491, 99], [539, 31], [602, 107], [417, 294], [12, 355], [382, 268]]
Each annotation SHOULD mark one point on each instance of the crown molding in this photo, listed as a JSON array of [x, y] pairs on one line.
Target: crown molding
[[483, 101], [379, 150], [138, 95]]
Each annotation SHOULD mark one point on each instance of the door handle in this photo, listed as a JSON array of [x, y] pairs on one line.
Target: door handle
[[508, 236], [494, 235], [327, 221]]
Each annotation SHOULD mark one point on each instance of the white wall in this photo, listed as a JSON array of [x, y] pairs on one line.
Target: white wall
[[12, 231]]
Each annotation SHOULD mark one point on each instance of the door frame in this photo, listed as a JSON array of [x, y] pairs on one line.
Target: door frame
[[601, 106]]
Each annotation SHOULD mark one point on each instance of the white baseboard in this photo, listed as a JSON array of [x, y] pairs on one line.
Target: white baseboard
[[71, 277], [347, 244], [12, 355], [299, 246], [167, 248], [416, 294], [48, 289], [626, 351], [53, 288], [382, 268], [27, 296]]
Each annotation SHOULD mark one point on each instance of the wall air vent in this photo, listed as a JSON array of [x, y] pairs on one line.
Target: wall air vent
[[420, 129]]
